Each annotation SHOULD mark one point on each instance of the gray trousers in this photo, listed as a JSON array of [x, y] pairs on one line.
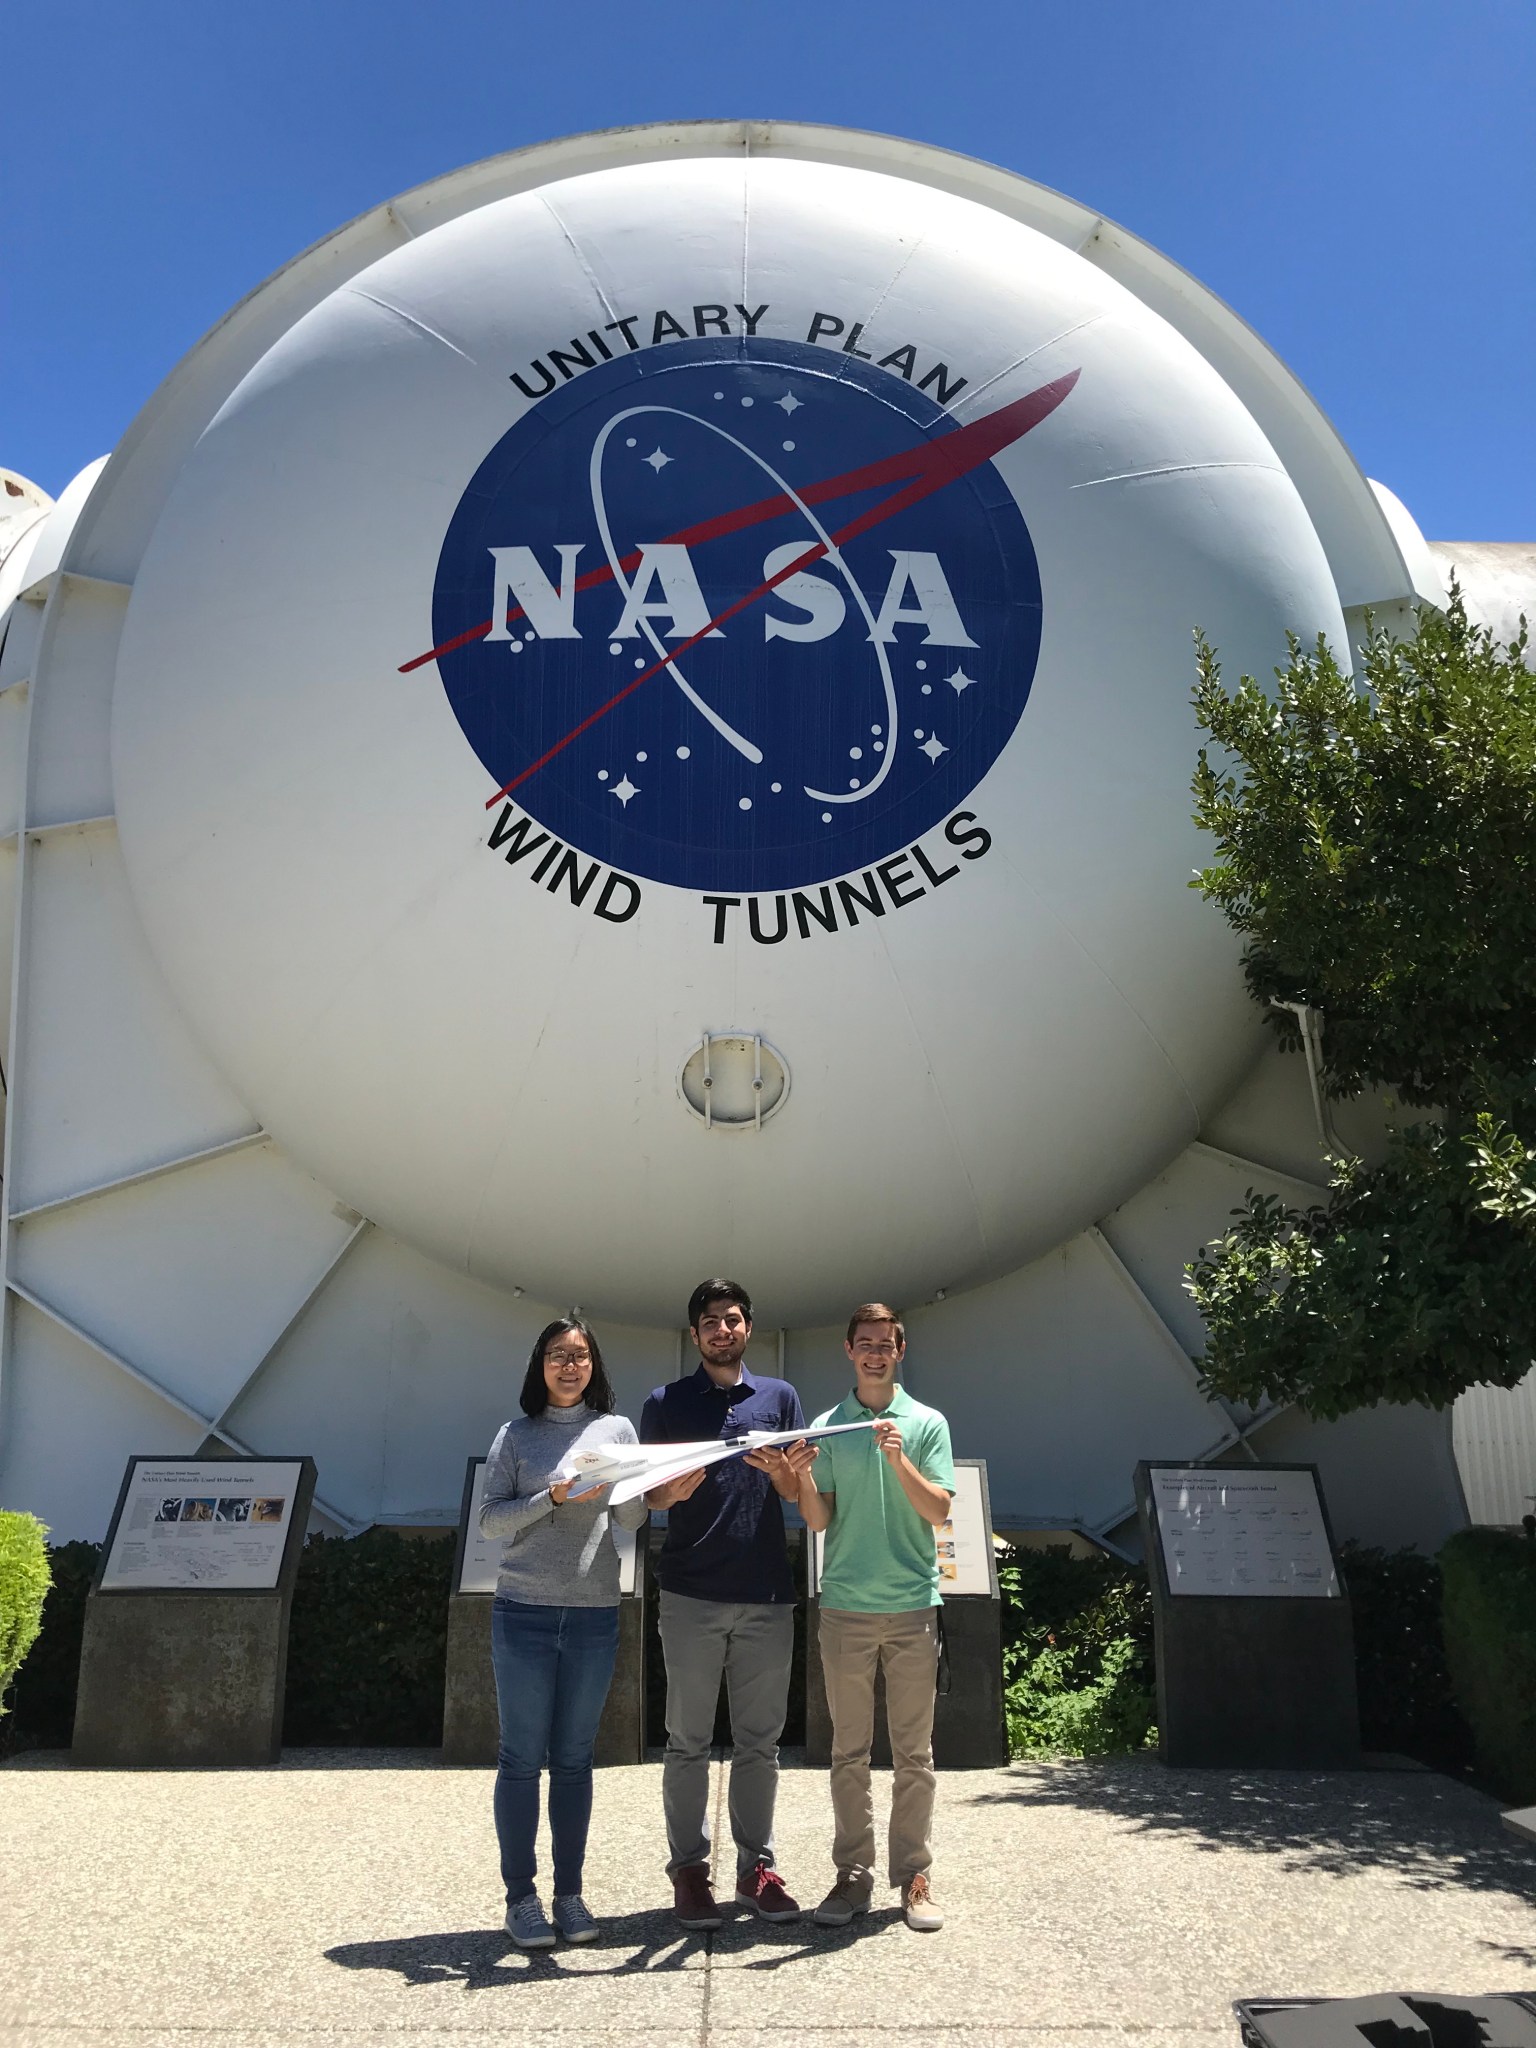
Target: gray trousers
[[750, 1642]]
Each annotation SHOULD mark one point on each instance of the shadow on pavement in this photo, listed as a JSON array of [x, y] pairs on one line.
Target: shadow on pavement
[[1431, 1832], [483, 1959]]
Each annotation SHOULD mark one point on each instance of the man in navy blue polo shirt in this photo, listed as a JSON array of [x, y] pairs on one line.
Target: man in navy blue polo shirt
[[727, 1605]]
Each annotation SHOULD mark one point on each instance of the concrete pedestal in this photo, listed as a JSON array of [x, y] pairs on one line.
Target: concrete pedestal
[[470, 1729], [182, 1678]]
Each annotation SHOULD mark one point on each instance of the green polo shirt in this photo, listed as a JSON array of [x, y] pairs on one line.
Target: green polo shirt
[[880, 1555]]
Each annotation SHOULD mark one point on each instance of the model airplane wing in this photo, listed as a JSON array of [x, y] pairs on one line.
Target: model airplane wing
[[633, 1469]]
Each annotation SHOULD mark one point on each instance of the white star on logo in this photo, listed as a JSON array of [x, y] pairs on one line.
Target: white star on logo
[[959, 681], [933, 746], [657, 460], [789, 404], [624, 791]]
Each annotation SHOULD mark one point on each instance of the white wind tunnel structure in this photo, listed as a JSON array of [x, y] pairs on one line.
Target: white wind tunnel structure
[[501, 812]]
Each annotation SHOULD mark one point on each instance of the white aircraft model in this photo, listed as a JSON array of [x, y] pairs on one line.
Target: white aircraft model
[[632, 1469]]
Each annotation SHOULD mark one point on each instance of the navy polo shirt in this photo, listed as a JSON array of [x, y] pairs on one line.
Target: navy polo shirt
[[726, 1541]]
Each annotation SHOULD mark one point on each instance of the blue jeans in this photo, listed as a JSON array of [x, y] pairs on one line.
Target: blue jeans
[[553, 1666]]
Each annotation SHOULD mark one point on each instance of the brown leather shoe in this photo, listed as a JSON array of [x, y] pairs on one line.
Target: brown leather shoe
[[692, 1900], [917, 1904]]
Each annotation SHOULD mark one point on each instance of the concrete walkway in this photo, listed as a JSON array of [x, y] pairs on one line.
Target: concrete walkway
[[353, 1895]]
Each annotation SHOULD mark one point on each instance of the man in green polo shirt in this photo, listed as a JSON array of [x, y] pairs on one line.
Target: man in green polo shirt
[[880, 1495]]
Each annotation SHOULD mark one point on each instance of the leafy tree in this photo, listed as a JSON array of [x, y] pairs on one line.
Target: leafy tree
[[1377, 851]]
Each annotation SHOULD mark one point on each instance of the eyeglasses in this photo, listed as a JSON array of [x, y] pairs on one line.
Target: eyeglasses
[[875, 1350], [567, 1358]]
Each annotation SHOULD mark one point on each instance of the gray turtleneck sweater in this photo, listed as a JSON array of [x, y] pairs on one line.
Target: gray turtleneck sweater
[[553, 1556]]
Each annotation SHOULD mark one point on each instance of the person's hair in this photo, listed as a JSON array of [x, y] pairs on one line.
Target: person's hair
[[878, 1312], [717, 1290], [597, 1393]]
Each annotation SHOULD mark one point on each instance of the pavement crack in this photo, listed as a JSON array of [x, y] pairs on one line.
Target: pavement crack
[[716, 1837]]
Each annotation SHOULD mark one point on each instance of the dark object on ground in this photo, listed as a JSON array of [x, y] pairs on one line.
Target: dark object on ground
[[1399, 2019]]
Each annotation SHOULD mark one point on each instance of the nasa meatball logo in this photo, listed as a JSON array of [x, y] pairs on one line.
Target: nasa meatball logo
[[736, 616]]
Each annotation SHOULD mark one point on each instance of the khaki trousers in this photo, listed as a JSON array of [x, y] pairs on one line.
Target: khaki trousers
[[853, 1648]]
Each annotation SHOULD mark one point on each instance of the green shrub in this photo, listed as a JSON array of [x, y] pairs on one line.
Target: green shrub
[[368, 1641], [23, 1589], [1404, 1683], [1078, 1674], [1490, 1640]]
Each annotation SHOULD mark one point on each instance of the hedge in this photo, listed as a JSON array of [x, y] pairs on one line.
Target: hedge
[[24, 1585], [1407, 1704], [1489, 1611], [368, 1640]]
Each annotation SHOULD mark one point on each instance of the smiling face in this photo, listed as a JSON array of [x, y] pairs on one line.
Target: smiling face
[[876, 1354], [567, 1368], [722, 1333]]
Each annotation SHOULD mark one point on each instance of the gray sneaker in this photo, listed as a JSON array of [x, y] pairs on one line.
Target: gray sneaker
[[573, 1919], [850, 1895], [527, 1926]]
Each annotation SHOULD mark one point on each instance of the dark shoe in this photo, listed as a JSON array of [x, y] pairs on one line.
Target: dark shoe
[[918, 1906], [692, 1900], [527, 1926], [573, 1919], [850, 1895], [762, 1889]]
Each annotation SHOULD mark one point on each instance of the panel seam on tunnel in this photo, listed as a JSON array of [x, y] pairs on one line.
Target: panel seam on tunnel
[[412, 320], [1130, 476], [579, 253]]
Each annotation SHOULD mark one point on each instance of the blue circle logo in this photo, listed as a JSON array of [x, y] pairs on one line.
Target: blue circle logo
[[737, 615]]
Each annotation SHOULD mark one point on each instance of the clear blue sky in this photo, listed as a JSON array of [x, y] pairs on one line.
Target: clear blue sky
[[1357, 177]]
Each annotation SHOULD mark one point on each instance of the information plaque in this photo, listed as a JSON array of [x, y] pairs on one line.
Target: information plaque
[[184, 1652], [480, 1556], [1252, 1625], [1230, 1533], [209, 1525]]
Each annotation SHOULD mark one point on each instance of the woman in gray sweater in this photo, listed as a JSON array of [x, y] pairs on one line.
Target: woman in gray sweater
[[554, 1621]]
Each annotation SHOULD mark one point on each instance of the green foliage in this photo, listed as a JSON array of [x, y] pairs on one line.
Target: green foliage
[[1403, 1680], [24, 1582], [368, 1641], [1377, 843], [1077, 1655], [1413, 1283], [1489, 1578]]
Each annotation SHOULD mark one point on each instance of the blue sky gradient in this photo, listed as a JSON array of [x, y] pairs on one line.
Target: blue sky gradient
[[1356, 177]]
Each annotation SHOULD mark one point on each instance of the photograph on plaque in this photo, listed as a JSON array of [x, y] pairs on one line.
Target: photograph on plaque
[[481, 1555], [1255, 1533], [215, 1525]]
